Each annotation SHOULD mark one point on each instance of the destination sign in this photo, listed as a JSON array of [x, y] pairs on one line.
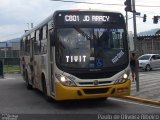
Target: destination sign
[[86, 18], [83, 18]]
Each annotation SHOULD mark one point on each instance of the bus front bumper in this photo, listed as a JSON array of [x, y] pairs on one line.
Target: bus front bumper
[[71, 93]]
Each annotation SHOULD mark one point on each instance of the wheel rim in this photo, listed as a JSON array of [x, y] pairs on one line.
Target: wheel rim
[[147, 67]]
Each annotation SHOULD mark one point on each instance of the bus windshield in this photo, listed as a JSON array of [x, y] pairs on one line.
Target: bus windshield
[[91, 47]]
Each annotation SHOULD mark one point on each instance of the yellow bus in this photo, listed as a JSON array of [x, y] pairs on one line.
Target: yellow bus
[[77, 54]]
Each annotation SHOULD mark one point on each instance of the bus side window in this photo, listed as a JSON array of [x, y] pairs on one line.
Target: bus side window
[[22, 47], [36, 43], [52, 37], [44, 36], [40, 33], [43, 48], [27, 46]]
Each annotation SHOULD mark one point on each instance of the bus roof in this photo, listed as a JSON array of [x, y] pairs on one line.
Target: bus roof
[[87, 10], [39, 25], [58, 11]]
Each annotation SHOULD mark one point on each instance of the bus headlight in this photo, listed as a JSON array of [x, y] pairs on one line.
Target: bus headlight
[[125, 76], [62, 79], [65, 80], [122, 79]]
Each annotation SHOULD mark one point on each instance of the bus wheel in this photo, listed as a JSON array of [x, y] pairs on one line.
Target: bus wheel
[[44, 87], [23, 74], [29, 87]]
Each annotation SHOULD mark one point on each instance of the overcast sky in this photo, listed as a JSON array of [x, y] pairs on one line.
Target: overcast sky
[[15, 14]]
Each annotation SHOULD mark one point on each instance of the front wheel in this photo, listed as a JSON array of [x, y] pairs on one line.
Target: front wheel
[[48, 99], [147, 68]]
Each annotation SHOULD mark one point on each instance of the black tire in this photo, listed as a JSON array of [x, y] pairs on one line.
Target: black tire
[[23, 74], [48, 99], [101, 99], [147, 68], [29, 87]]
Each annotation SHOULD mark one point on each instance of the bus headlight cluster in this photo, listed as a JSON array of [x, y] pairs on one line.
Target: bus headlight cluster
[[65, 80], [122, 79]]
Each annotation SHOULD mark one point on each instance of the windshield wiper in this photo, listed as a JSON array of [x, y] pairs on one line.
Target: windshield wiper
[[82, 32]]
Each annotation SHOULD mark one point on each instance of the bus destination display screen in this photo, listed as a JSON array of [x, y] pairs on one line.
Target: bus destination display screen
[[85, 18]]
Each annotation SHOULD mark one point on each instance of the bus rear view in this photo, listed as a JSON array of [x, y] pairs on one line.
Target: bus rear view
[[91, 57]]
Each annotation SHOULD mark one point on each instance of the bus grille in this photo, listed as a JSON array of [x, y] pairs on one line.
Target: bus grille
[[91, 83], [96, 91]]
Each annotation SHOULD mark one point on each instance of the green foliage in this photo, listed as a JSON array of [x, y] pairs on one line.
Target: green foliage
[[11, 69]]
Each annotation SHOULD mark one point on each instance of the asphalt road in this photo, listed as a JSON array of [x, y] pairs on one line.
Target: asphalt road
[[16, 99]]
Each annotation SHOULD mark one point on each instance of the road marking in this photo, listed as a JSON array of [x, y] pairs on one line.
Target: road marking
[[133, 102]]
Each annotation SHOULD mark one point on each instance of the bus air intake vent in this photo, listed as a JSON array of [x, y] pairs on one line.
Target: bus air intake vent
[[96, 90]]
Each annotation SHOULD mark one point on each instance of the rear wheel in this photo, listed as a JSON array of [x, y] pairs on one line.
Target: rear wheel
[[29, 87], [147, 68]]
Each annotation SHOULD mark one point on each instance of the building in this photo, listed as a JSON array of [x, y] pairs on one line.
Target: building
[[9, 52], [149, 43]]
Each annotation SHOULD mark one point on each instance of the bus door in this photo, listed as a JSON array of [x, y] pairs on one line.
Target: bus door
[[32, 59], [52, 54], [31, 47]]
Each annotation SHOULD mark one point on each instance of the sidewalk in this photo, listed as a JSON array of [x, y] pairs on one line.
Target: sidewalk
[[147, 92], [149, 88]]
